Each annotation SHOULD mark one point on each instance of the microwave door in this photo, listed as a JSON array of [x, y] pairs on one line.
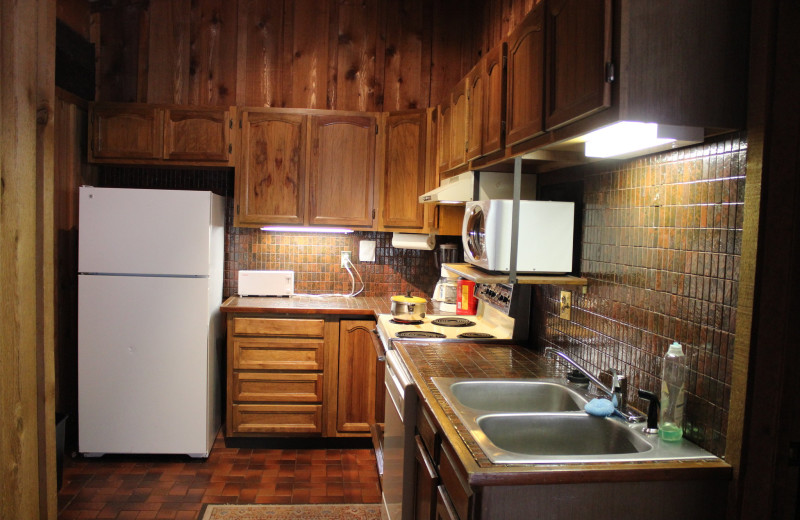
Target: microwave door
[[475, 234]]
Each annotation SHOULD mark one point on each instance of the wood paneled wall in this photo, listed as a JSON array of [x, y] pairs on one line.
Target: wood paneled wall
[[363, 55]]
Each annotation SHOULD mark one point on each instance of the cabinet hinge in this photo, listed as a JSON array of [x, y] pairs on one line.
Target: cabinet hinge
[[230, 123], [237, 209], [610, 72], [230, 148], [505, 63], [376, 129], [373, 213], [240, 123]]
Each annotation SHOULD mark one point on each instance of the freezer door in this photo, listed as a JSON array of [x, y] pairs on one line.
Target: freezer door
[[146, 366], [146, 231]]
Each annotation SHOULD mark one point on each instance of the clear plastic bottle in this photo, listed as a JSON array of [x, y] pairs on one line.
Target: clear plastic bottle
[[673, 394]]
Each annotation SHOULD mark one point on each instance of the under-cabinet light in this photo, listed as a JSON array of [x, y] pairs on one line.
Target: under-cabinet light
[[306, 229], [628, 139]]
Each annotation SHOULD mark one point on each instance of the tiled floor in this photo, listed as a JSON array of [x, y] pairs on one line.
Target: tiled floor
[[138, 487]]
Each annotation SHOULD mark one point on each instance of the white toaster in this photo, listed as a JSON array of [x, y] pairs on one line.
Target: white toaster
[[266, 283]]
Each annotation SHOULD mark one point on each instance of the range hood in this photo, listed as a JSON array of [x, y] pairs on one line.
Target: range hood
[[478, 185]]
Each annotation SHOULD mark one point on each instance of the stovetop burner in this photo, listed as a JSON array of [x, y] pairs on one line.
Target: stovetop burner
[[450, 321], [476, 335], [406, 322], [420, 334]]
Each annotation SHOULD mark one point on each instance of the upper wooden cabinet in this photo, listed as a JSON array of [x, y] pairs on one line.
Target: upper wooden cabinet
[[525, 111], [445, 111], [404, 176], [192, 134], [578, 53], [271, 174], [475, 113], [125, 131], [494, 100], [342, 170], [458, 124], [160, 135]]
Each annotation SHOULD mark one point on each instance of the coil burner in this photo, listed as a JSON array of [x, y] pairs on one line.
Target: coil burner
[[476, 335], [449, 321], [426, 334], [406, 322]]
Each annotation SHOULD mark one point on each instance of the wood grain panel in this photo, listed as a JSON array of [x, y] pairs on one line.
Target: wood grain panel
[[212, 53], [306, 41], [404, 175], [357, 389], [260, 48], [359, 56], [408, 55], [279, 327], [289, 418], [169, 57], [199, 135], [117, 54], [525, 99], [452, 33], [277, 387]]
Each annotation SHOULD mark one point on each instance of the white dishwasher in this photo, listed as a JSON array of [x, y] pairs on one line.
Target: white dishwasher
[[398, 440]]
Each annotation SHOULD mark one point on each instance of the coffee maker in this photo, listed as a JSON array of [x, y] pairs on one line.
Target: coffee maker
[[444, 294]]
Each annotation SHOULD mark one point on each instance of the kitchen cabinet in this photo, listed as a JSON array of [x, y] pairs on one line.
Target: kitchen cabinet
[[405, 174], [475, 112], [525, 97], [493, 126], [360, 393], [342, 170], [134, 133], [310, 376], [458, 125], [275, 375], [445, 111], [271, 175], [578, 54]]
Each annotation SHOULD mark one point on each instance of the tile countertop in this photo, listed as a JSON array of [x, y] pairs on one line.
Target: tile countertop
[[467, 359], [359, 305]]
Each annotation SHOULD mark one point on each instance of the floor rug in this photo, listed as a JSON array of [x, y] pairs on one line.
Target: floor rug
[[291, 512]]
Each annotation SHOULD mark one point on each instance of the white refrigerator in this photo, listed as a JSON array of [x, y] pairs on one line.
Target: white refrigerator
[[150, 267]]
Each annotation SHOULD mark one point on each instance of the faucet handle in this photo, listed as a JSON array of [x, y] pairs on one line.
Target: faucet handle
[[652, 411]]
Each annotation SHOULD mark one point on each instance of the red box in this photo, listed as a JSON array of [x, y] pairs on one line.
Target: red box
[[466, 302]]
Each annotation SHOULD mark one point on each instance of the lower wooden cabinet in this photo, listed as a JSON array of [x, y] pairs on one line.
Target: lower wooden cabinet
[[314, 376]]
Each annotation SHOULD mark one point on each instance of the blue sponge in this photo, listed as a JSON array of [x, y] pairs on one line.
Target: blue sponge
[[599, 407]]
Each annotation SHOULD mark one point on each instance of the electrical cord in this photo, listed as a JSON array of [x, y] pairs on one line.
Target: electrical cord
[[352, 284]]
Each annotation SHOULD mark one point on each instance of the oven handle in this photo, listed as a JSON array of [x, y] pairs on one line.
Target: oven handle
[[378, 346]]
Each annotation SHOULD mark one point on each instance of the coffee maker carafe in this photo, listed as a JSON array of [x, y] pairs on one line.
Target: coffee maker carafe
[[444, 294]]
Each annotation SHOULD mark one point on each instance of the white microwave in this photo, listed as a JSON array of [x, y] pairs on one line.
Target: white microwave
[[545, 235]]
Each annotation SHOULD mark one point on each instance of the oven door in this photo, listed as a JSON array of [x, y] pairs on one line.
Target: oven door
[[398, 454]]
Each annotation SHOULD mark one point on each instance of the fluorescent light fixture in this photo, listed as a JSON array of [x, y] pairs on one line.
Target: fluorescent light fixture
[[629, 139], [306, 229]]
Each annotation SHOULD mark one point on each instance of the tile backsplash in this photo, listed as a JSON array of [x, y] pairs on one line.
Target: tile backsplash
[[661, 245]]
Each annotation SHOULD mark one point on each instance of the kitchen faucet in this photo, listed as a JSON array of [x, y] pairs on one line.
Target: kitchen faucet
[[615, 390]]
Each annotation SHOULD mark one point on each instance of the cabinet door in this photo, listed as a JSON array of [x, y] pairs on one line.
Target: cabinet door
[[578, 49], [270, 179], [458, 125], [126, 131], [404, 172], [494, 100], [357, 393], [443, 139], [342, 170], [426, 483], [475, 113], [524, 117], [197, 135]]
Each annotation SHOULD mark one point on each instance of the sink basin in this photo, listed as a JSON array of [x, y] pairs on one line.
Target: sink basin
[[512, 395], [542, 421], [560, 434]]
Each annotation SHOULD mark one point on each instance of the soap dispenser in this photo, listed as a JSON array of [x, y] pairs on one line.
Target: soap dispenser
[[673, 394]]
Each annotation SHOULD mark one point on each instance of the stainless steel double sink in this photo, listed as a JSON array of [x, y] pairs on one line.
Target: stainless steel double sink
[[530, 421]]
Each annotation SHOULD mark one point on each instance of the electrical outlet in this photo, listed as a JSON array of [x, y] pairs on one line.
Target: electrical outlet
[[345, 258], [565, 305]]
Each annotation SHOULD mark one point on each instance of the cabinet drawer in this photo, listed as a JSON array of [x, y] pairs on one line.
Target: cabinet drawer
[[428, 432], [279, 327], [276, 354], [262, 418], [457, 489], [270, 387]]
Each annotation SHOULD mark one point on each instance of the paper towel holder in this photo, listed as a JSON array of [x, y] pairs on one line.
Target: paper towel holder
[[413, 241]]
